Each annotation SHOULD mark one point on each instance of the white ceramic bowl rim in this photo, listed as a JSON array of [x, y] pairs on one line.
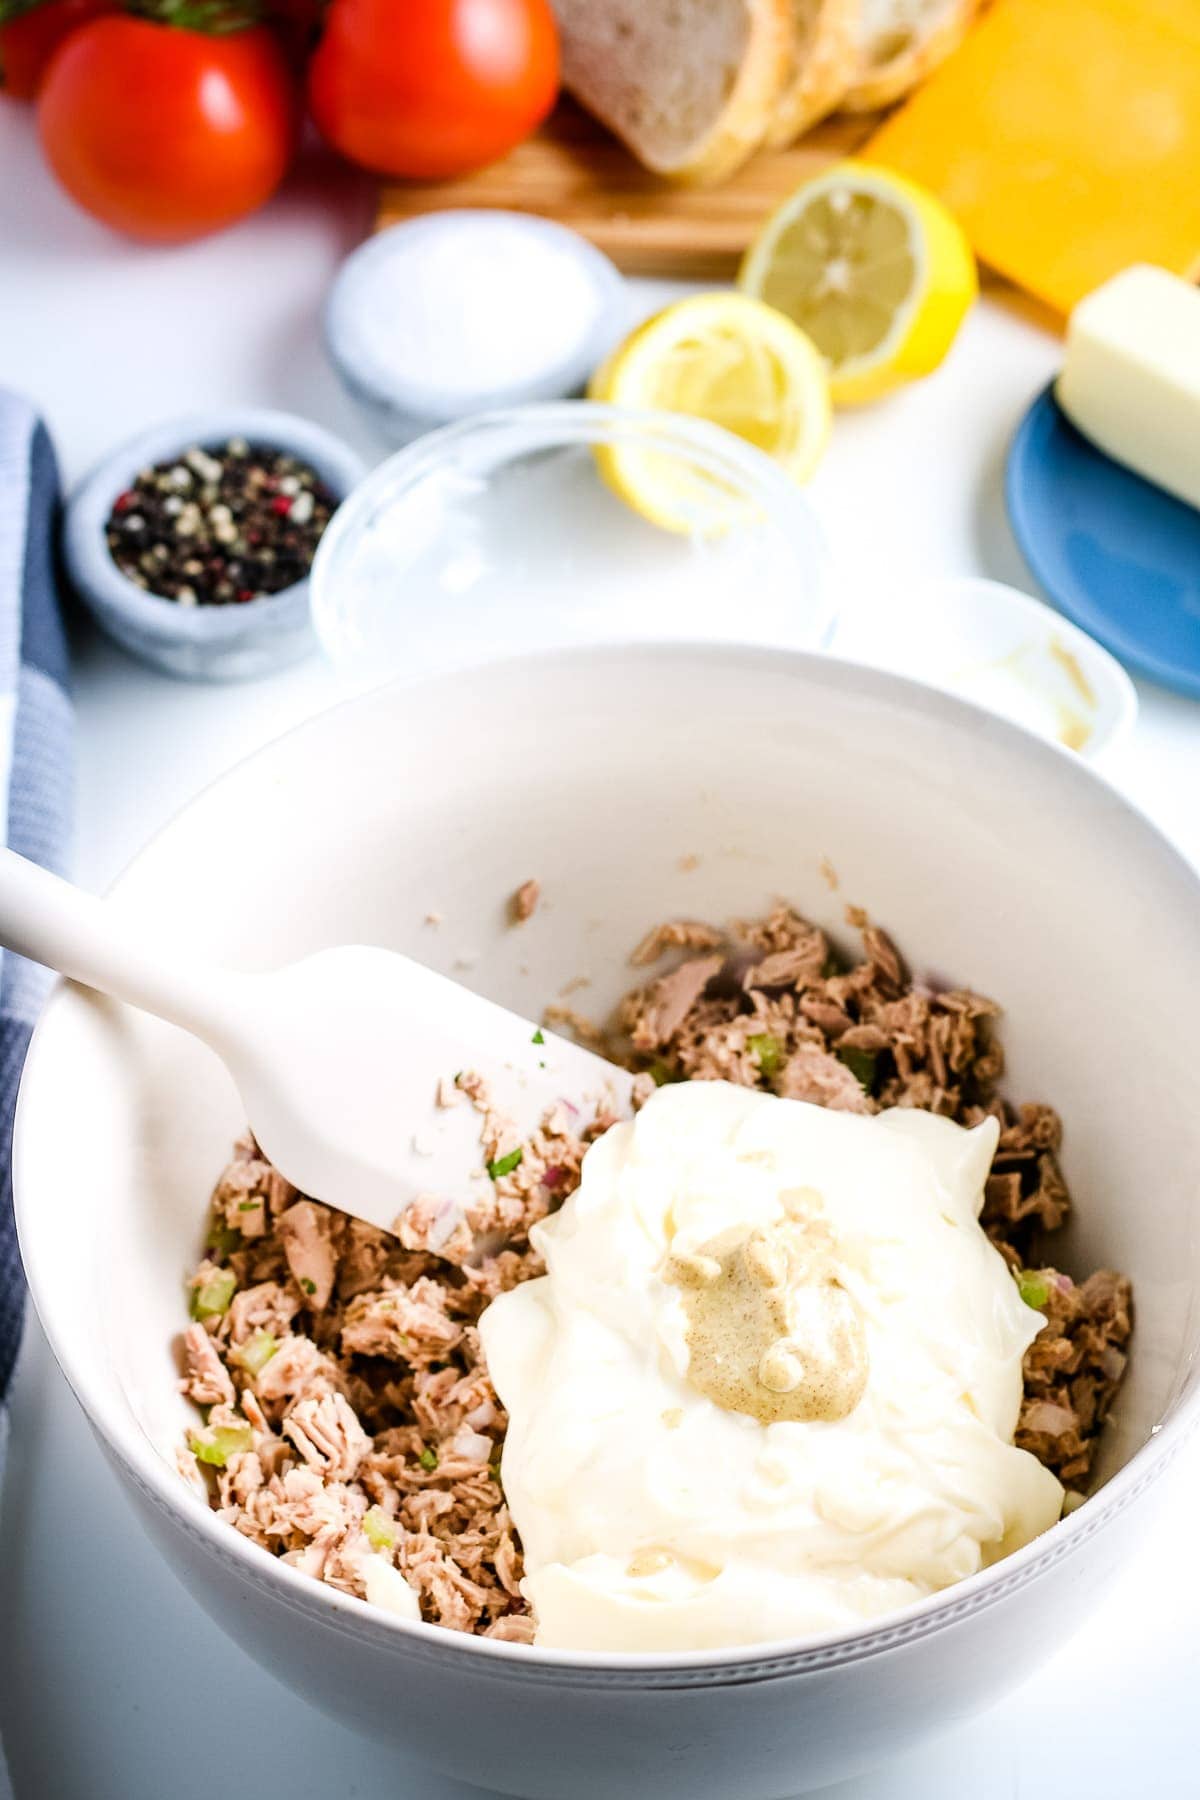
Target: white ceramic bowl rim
[[166, 1491], [718, 453]]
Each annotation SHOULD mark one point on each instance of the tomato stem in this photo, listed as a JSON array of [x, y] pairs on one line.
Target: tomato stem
[[213, 18], [16, 9]]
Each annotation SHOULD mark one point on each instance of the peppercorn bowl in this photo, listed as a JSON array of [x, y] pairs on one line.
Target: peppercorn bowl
[[212, 508], [638, 782]]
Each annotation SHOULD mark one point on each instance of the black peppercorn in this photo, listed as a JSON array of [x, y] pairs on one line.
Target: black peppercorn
[[216, 527]]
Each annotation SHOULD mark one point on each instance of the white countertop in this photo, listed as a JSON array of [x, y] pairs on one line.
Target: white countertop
[[113, 1685]]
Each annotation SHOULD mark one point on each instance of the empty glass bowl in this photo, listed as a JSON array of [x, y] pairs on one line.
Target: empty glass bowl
[[501, 534]]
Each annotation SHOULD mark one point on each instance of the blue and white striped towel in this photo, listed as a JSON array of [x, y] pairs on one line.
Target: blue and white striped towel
[[35, 786], [35, 770]]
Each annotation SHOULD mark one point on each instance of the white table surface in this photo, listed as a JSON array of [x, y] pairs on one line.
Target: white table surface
[[113, 1685]]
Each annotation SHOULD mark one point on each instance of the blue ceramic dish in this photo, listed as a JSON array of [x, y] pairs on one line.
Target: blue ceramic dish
[[1117, 555], [204, 643]]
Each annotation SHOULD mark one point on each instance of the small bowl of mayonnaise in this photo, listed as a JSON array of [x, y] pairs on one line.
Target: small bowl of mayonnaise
[[1004, 650]]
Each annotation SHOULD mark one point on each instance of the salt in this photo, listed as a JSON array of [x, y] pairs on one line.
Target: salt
[[452, 312]]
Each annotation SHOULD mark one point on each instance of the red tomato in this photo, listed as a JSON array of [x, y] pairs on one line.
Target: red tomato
[[29, 41], [436, 87], [165, 133]]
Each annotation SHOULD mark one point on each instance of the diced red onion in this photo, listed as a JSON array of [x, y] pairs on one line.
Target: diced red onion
[[472, 1446]]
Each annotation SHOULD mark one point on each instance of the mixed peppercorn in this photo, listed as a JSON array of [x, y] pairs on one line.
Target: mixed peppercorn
[[220, 527]]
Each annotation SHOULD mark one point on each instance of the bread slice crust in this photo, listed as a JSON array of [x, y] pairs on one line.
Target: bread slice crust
[[888, 71], [825, 55], [620, 58]]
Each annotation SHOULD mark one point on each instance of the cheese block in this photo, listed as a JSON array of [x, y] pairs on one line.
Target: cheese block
[[1131, 379], [1065, 134]]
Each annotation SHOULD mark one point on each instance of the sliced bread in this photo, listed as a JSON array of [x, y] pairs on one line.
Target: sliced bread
[[689, 85], [900, 42], [824, 61]]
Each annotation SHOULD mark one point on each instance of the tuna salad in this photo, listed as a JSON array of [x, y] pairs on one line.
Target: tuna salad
[[347, 1420]]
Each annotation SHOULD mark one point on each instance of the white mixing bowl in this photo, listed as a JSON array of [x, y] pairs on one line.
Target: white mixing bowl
[[993, 857]]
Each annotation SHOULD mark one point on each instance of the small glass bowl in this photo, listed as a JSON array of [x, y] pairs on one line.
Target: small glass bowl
[[500, 534]]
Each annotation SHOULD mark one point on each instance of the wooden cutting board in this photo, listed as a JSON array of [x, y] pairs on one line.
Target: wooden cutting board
[[573, 171]]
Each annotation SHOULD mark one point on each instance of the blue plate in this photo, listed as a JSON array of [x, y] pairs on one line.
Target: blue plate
[[1115, 553]]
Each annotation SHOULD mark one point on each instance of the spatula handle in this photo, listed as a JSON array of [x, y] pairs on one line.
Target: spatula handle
[[51, 922]]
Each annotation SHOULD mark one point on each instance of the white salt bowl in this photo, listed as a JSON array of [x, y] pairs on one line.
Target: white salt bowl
[[995, 858]]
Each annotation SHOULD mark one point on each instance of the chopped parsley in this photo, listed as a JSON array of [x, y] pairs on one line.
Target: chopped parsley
[[539, 1036], [661, 1073], [428, 1459], [223, 1238], [308, 1284], [767, 1052], [249, 1205], [504, 1165], [861, 1064]]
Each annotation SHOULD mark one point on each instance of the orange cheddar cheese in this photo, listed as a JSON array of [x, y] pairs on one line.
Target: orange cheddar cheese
[[1065, 134]]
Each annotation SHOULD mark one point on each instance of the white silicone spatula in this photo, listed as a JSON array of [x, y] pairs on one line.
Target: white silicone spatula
[[337, 1058]]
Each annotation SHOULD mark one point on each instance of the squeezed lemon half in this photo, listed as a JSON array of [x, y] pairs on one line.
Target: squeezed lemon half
[[873, 268], [727, 358]]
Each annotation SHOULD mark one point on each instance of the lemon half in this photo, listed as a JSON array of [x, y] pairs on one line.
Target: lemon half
[[873, 268], [727, 358]]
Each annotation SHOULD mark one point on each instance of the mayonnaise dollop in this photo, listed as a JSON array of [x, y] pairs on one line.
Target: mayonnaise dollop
[[654, 1518]]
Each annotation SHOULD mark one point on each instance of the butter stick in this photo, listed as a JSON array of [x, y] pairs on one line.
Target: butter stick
[[1131, 380]]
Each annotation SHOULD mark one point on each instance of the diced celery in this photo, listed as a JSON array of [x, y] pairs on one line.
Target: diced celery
[[214, 1294], [504, 1165], [223, 1238], [256, 1352], [767, 1053], [1033, 1288], [428, 1459], [379, 1528], [218, 1443]]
